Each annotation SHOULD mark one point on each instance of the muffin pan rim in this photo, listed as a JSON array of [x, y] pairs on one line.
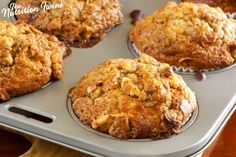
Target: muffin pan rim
[[212, 109]]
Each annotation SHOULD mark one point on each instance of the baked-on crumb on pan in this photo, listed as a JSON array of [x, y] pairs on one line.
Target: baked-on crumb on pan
[[139, 98], [187, 35], [29, 59], [79, 23]]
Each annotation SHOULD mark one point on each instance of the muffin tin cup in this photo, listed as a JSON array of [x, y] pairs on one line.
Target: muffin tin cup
[[178, 69], [216, 101], [189, 122]]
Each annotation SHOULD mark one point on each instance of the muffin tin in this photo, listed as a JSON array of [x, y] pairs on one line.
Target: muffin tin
[[216, 100]]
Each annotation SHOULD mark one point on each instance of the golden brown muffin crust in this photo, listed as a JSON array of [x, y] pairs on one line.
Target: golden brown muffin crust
[[225, 5], [128, 98], [28, 59], [80, 23], [188, 35]]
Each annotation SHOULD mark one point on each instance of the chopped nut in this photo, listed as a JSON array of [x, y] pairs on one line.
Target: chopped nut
[[91, 89], [186, 107]]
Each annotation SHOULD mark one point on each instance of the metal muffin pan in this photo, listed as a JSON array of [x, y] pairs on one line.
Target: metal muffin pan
[[216, 100]]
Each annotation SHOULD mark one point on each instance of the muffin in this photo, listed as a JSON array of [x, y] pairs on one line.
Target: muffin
[[226, 5], [79, 23], [29, 59], [187, 35], [139, 98]]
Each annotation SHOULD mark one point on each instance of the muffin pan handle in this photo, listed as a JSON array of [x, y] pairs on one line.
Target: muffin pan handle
[[28, 113], [216, 98]]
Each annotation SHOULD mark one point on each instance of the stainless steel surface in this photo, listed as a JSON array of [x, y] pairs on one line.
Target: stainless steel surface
[[216, 99], [217, 132]]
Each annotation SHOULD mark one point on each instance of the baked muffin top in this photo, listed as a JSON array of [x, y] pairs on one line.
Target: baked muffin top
[[187, 35], [80, 23], [138, 98], [28, 59], [225, 5]]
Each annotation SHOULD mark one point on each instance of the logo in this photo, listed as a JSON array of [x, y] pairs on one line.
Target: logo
[[15, 9]]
